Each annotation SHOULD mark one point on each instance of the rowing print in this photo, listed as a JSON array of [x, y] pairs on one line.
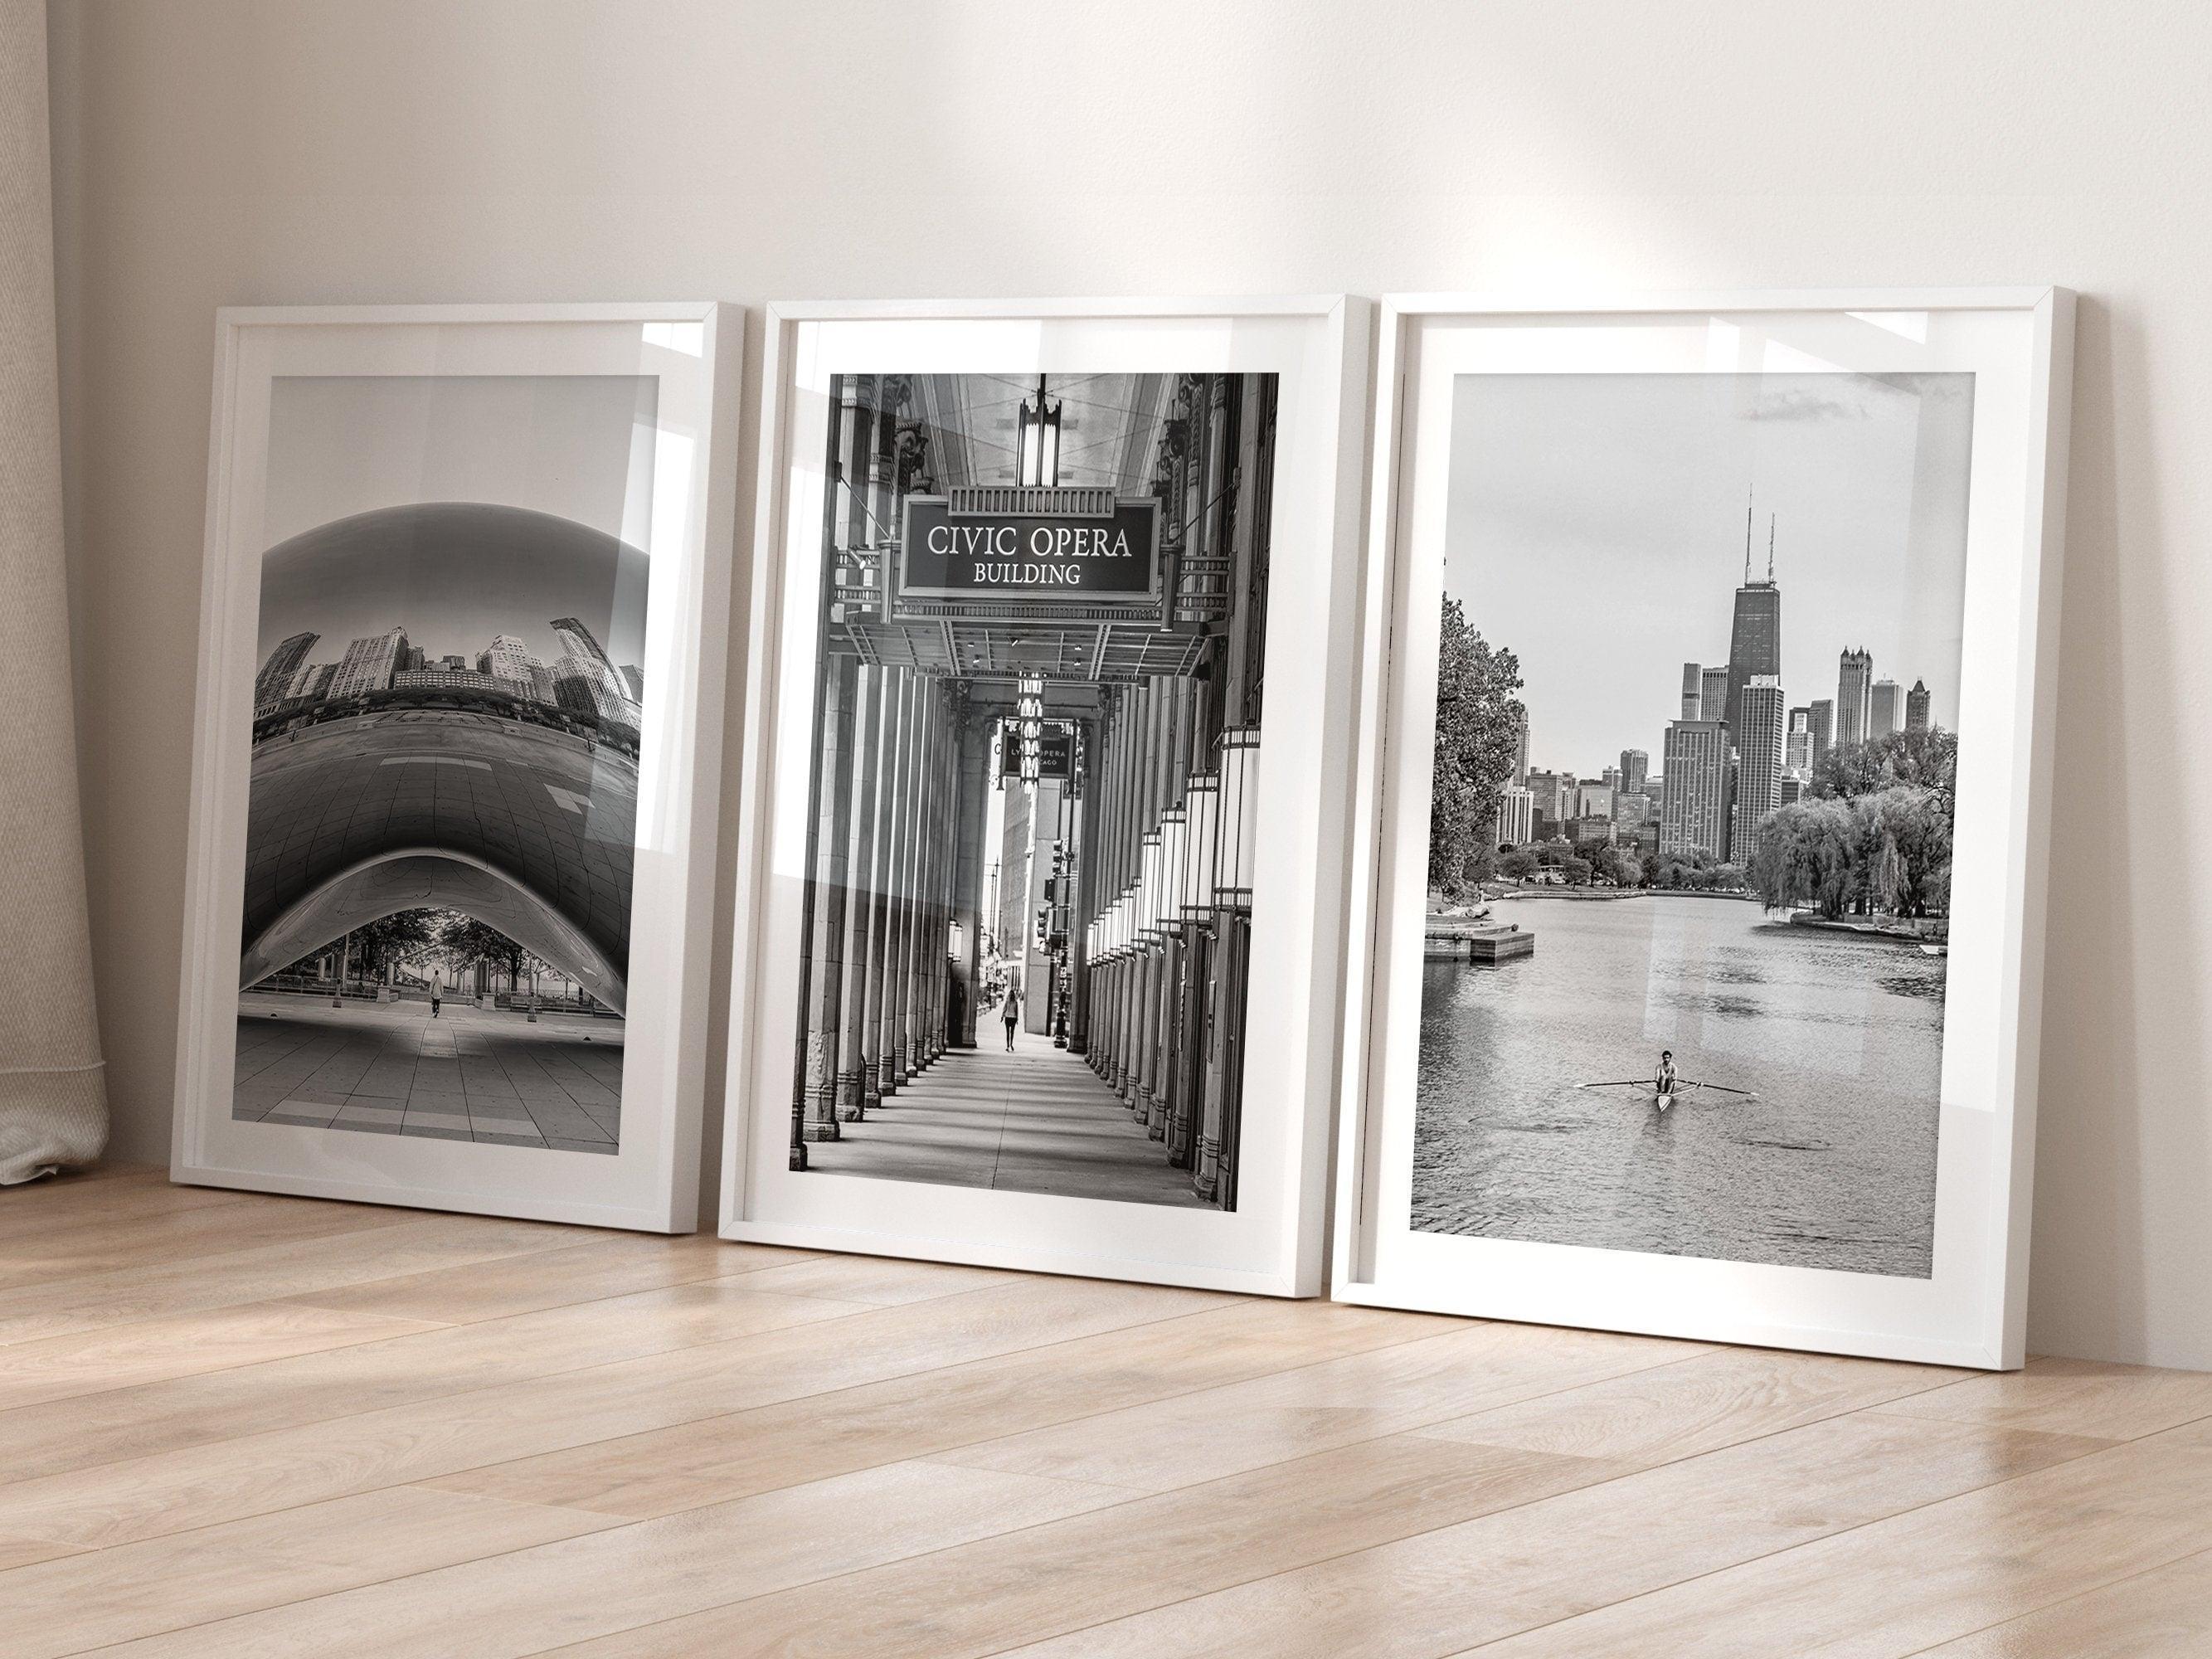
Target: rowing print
[[1690, 849]]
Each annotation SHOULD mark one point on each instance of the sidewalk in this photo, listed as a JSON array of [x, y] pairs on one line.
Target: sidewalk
[[470, 1074], [1035, 1121]]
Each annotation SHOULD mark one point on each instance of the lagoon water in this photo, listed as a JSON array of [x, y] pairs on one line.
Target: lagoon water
[[1833, 1165]]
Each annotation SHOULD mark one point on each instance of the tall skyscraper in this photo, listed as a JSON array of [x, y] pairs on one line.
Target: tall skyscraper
[[277, 669], [1712, 694], [1885, 708], [369, 664], [508, 659], [311, 684], [1755, 638], [1854, 697], [634, 677], [1916, 707], [1760, 745], [1823, 711], [1012, 921], [1544, 794], [1694, 690], [1515, 815], [581, 642], [584, 664], [1797, 743], [591, 687], [1635, 768], [1521, 743], [1695, 816]]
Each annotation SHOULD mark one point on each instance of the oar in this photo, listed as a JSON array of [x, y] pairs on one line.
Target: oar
[[1718, 1088], [1622, 1083]]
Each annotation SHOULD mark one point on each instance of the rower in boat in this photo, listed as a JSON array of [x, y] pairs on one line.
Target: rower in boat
[[1665, 1085]]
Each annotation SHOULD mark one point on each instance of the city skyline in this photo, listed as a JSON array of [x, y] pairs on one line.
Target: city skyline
[[1718, 776], [488, 570], [1639, 484], [1902, 710], [583, 677]]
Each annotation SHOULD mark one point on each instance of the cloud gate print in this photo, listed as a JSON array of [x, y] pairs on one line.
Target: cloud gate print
[[440, 824]]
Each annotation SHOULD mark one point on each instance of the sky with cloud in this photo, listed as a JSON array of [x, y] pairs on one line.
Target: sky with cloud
[[578, 447]]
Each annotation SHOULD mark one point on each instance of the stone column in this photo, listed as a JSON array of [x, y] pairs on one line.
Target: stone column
[[915, 1014], [826, 951], [1241, 662], [882, 988], [860, 907], [898, 986], [1080, 904], [1136, 958], [964, 882], [1224, 1082]]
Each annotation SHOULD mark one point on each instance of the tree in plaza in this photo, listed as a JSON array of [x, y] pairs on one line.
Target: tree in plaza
[[1478, 736], [1519, 862], [1576, 869], [374, 945], [464, 942]]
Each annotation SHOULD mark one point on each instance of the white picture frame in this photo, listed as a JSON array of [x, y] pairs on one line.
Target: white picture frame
[[1273, 1240], [1971, 1309], [677, 509]]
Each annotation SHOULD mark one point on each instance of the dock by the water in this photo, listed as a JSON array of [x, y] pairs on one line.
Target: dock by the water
[[1463, 939]]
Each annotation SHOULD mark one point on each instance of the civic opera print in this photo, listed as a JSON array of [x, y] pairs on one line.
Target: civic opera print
[[1027, 907], [447, 720]]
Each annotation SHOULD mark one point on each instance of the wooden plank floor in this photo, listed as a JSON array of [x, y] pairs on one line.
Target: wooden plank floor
[[242, 1425]]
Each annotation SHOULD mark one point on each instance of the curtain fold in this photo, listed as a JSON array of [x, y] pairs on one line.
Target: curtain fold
[[53, 1098]]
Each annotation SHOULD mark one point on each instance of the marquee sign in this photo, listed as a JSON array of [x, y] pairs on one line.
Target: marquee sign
[[1056, 749], [1108, 553]]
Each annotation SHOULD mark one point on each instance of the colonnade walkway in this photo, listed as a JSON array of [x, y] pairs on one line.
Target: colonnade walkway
[[1035, 1121]]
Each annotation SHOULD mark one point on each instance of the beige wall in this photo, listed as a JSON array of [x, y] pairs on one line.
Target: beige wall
[[213, 151]]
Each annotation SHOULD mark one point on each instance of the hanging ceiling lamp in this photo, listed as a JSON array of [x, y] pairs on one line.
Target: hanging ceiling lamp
[[1036, 448]]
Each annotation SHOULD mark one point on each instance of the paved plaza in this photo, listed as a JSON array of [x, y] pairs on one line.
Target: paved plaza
[[470, 1074], [1035, 1121]]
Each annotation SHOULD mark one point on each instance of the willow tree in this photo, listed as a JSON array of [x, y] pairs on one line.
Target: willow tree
[[1478, 736]]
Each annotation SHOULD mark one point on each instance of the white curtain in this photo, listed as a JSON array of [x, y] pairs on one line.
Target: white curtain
[[53, 1099]]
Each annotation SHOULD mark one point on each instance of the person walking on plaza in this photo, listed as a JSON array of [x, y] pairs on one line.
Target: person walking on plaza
[[1011, 1012], [434, 993]]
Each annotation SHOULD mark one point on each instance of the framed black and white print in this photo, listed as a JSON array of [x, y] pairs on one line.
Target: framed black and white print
[[459, 687], [1704, 791], [1037, 936]]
